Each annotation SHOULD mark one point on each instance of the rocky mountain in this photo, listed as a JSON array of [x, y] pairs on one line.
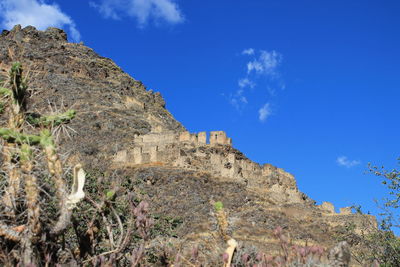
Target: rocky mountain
[[113, 107], [127, 140]]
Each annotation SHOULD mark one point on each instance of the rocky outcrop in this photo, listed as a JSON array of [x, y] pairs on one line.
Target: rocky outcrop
[[113, 107]]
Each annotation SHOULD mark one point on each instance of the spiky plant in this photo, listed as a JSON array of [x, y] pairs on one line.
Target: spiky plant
[[21, 222]]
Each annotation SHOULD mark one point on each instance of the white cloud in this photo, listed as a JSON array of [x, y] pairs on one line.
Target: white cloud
[[262, 69], [245, 82], [249, 52], [264, 112], [267, 63], [141, 10], [35, 13], [344, 161], [238, 100], [107, 8], [255, 65]]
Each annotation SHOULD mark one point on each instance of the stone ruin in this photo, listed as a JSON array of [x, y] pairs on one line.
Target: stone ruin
[[214, 154], [329, 208], [216, 137], [158, 147]]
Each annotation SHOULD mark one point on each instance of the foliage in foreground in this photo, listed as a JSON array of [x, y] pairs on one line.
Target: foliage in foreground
[[22, 186], [38, 225], [373, 245]]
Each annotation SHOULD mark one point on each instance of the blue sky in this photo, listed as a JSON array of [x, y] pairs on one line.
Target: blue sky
[[310, 86]]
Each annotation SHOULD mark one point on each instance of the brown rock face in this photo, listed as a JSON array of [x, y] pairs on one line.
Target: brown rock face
[[122, 129], [113, 107]]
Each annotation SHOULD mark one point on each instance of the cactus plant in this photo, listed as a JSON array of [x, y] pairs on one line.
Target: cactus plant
[[20, 149], [221, 219]]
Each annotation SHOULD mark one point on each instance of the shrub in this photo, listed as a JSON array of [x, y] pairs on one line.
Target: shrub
[[379, 245]]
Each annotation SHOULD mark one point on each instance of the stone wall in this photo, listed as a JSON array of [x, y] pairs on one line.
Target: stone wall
[[163, 147], [329, 208], [216, 137], [216, 156], [193, 151], [219, 137]]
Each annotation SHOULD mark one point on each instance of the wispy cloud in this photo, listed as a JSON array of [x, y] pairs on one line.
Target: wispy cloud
[[345, 162], [246, 83], [256, 66], [267, 63], [249, 51], [264, 112], [142, 10], [36, 13], [262, 70], [238, 100], [107, 8]]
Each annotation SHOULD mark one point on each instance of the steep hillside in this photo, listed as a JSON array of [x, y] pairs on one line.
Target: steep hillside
[[113, 107], [132, 146]]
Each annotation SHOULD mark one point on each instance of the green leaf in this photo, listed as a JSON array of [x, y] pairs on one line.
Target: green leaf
[[218, 206], [110, 195]]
